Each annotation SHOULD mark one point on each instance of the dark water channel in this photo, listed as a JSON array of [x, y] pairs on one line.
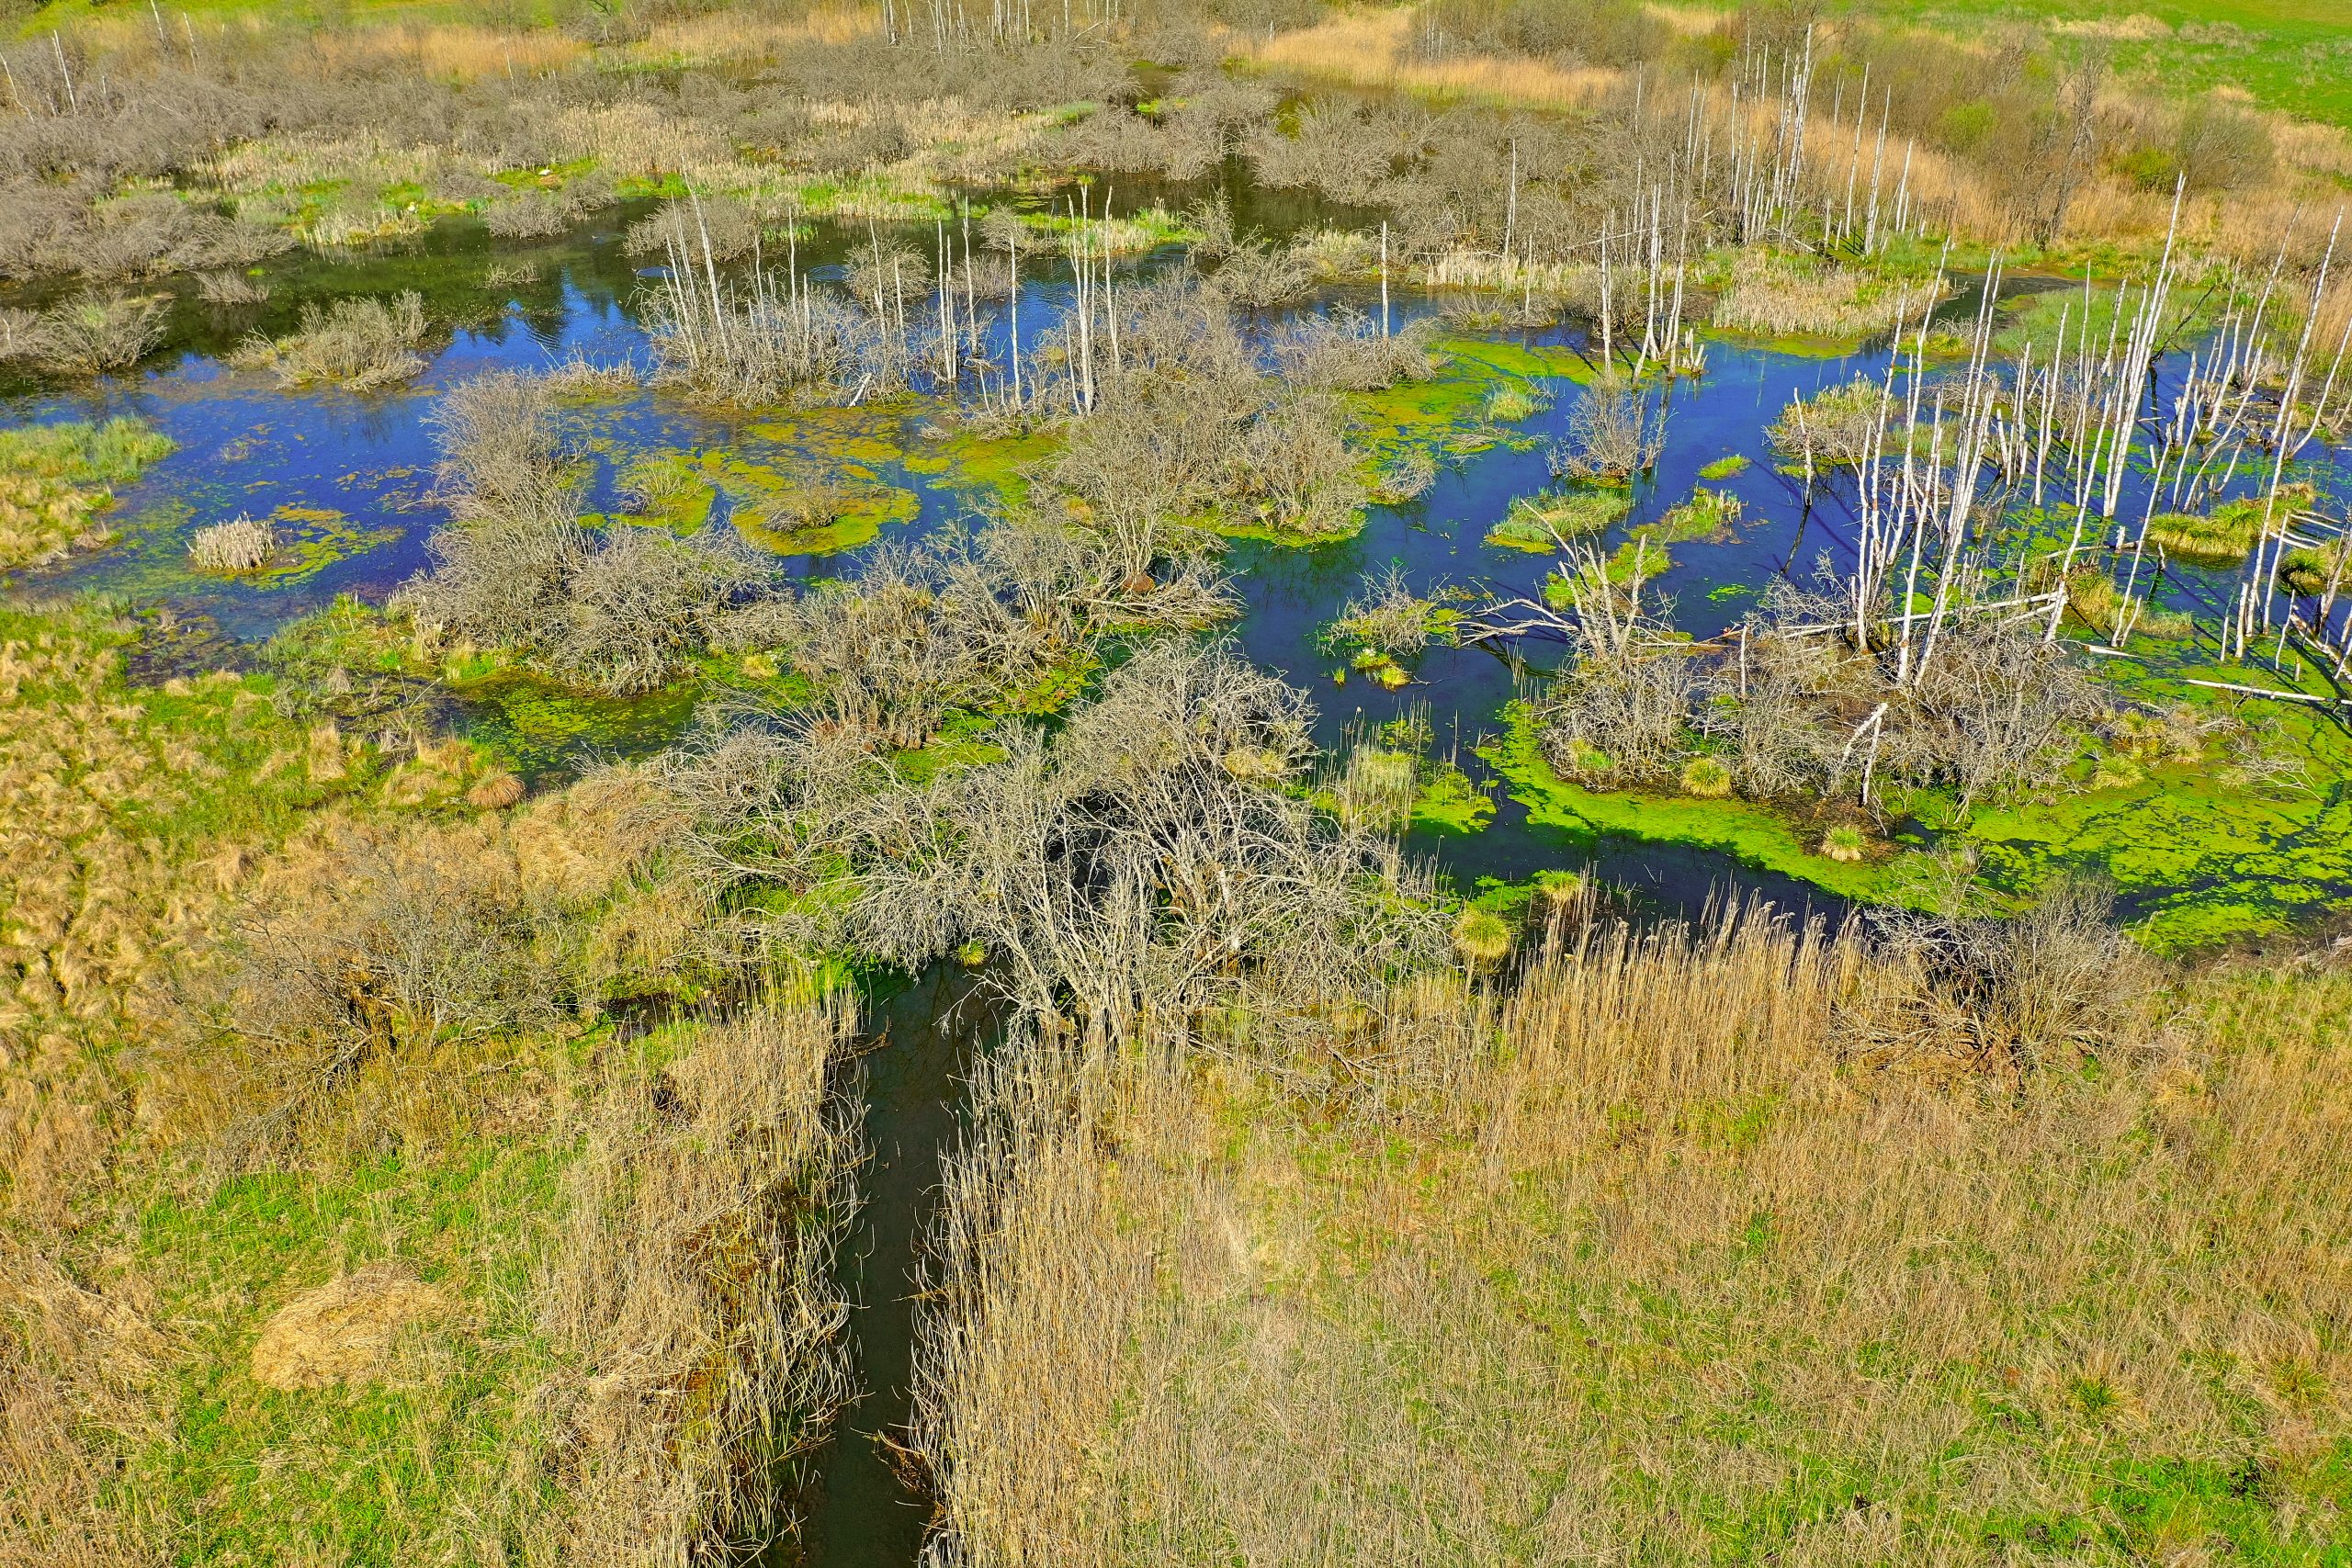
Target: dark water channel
[[921, 1042], [360, 468]]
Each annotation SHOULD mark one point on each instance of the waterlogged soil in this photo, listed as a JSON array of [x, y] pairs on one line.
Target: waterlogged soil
[[347, 481]]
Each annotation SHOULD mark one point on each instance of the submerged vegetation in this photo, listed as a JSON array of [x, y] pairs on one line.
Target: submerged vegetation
[[433, 1035]]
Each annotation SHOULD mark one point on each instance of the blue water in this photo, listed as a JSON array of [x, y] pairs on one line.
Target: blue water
[[247, 447]]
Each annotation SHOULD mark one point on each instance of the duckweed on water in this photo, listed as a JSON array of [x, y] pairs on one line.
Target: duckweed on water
[[2196, 852], [539, 728]]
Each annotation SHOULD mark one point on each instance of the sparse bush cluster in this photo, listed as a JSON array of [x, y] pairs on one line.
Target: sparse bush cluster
[[1795, 709], [1138, 864], [1616, 430], [979, 622], [86, 336], [622, 608]]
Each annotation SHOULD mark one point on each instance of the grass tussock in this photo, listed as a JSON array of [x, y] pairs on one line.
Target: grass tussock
[[242, 544], [361, 345], [1686, 1264]]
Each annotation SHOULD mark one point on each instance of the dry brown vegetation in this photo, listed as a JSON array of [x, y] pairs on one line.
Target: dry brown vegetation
[[326, 1039], [362, 345], [1728, 1241], [623, 608]]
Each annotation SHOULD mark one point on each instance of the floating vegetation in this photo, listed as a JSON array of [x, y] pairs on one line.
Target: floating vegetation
[[1513, 402], [1405, 478], [1447, 802], [1382, 670], [1726, 468]]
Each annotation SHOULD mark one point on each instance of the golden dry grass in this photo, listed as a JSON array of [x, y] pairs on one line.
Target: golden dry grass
[[691, 1294], [558, 1298], [734, 34], [1670, 1273], [1368, 49]]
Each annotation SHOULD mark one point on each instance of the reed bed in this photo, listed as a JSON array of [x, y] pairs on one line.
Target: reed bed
[[1677, 1265]]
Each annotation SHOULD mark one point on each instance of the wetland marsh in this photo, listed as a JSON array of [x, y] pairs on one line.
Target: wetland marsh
[[1508, 778]]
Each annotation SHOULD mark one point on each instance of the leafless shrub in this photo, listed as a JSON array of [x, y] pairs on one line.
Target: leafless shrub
[[1138, 866], [1997, 710], [768, 348], [1610, 719], [732, 229], [101, 334], [359, 344], [1615, 431], [20, 332], [231, 288], [1784, 738], [883, 279], [1346, 352], [1255, 275], [966, 621], [1385, 614], [529, 215], [242, 544], [1306, 478], [2013, 994], [500, 450], [621, 610], [401, 955], [1345, 149], [641, 603], [1173, 448]]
